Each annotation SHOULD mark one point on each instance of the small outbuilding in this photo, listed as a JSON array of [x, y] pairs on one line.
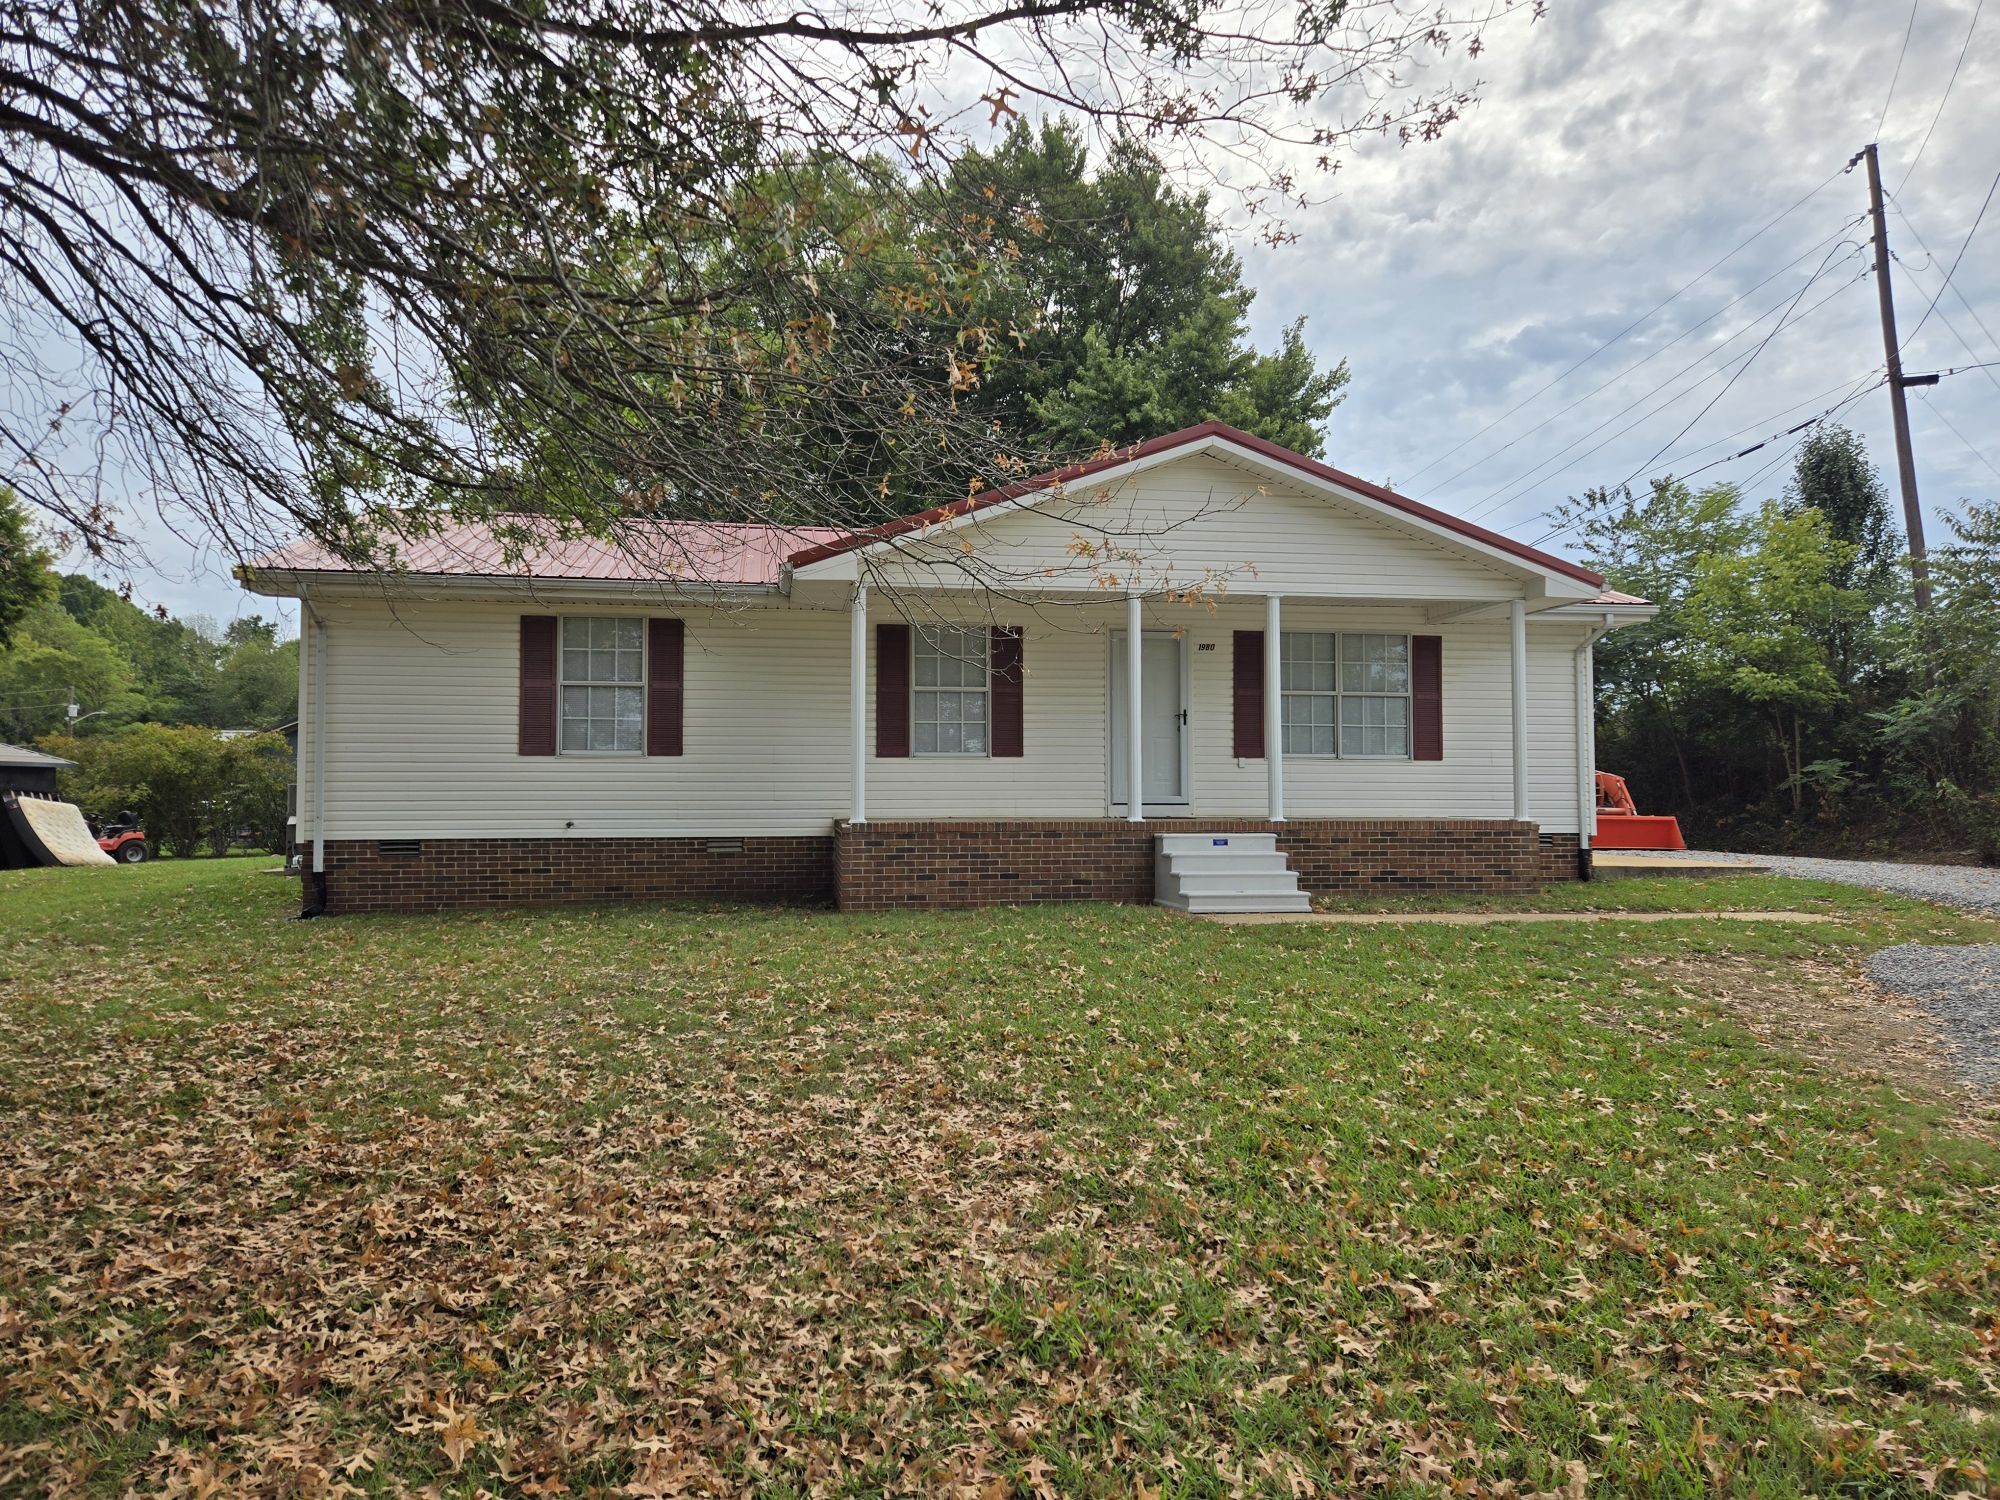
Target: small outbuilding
[[25, 770]]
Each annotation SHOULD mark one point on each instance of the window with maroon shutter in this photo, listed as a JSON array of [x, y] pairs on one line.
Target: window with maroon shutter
[[1426, 697], [666, 657], [1247, 695], [1009, 731], [892, 690], [538, 685]]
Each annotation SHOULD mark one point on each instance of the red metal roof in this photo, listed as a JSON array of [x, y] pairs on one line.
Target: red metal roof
[[1187, 435], [702, 552]]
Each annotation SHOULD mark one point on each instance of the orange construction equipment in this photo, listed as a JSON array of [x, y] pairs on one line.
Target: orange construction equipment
[[1620, 825]]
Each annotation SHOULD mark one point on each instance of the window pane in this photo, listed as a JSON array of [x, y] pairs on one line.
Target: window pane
[[975, 738], [575, 632], [576, 664], [625, 634], [1374, 726], [1375, 663], [1306, 662], [576, 734], [603, 666], [927, 668], [926, 741]]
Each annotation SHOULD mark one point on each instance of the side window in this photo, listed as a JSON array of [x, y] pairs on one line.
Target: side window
[[603, 680]]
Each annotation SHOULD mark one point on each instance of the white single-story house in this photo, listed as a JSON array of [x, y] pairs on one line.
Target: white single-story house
[[936, 711]]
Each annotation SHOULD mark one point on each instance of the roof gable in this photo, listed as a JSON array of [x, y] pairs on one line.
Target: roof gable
[[1228, 441]]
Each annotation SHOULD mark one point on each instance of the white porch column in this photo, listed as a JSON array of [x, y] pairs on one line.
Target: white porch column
[[1274, 702], [1517, 642], [1135, 785], [857, 704]]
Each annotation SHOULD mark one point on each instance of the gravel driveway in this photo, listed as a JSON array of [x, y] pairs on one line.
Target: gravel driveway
[[1958, 985], [1968, 887], [1961, 988]]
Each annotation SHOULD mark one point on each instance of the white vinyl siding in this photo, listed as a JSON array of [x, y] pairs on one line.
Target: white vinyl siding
[[1204, 526], [423, 701], [603, 685]]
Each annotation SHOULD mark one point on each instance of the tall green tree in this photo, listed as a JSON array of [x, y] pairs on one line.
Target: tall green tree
[[27, 573], [353, 265], [1834, 476], [1656, 716], [1123, 312], [1759, 625]]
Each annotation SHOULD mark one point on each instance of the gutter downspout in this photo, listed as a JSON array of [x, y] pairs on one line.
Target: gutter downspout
[[1586, 742], [316, 903]]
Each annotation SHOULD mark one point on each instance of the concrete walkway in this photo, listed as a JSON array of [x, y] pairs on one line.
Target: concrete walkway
[[1489, 918]]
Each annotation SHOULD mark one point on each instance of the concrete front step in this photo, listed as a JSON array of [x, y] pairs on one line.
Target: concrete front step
[[1218, 843], [1297, 901], [1224, 872]]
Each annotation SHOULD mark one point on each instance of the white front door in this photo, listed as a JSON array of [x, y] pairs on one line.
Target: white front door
[[1162, 715]]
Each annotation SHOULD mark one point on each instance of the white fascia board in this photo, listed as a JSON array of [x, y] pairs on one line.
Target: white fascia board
[[344, 583]]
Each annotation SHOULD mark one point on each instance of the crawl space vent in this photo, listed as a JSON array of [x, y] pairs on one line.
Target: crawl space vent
[[723, 846], [399, 848]]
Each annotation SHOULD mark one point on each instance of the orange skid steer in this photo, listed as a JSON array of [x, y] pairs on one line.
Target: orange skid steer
[[1620, 825]]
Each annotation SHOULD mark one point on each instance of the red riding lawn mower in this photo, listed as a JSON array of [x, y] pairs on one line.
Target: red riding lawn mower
[[123, 839], [1620, 825]]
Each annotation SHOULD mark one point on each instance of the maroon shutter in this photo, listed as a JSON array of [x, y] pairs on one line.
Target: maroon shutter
[[1009, 737], [1247, 695], [1426, 697], [666, 659], [892, 690], [538, 685]]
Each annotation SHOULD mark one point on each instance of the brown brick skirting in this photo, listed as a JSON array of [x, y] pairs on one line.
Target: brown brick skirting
[[886, 866], [445, 873]]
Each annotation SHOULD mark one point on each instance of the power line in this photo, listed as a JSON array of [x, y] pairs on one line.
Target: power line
[[1777, 329], [1912, 167], [1628, 328], [1874, 381], [1978, 219], [1956, 291], [1937, 411], [1686, 333], [1897, 71], [1755, 426], [1510, 491]]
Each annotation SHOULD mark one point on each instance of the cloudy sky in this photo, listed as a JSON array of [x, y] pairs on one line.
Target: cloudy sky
[[1620, 150]]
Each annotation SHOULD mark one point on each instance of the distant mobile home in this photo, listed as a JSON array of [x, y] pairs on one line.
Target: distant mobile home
[[937, 711]]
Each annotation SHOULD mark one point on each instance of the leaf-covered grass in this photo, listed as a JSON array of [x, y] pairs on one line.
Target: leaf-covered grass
[[1080, 1200]]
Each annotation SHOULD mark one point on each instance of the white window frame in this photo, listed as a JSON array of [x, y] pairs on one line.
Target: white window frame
[[1339, 694], [918, 635], [564, 681]]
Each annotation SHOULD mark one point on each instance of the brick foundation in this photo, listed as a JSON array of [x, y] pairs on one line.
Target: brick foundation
[[932, 864], [890, 866], [446, 873]]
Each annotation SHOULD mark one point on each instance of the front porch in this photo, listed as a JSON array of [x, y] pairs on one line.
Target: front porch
[[944, 864]]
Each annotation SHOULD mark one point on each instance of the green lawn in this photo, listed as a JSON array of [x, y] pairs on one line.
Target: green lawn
[[1071, 1201]]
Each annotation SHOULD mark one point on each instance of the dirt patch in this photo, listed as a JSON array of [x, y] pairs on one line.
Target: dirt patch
[[1835, 1016]]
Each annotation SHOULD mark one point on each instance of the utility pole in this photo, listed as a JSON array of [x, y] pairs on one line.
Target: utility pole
[[1906, 463]]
